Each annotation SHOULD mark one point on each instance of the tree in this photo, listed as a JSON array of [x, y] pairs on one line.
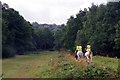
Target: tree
[[99, 27], [81, 38], [16, 31], [70, 34], [71, 29], [117, 37], [58, 42], [43, 39]]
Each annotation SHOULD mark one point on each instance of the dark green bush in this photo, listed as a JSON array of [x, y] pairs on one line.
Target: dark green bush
[[8, 51], [95, 72]]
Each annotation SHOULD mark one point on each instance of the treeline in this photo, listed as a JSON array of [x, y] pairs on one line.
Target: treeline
[[18, 36], [98, 26]]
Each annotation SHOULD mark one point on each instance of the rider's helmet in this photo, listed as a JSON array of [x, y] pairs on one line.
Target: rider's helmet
[[88, 48], [79, 48]]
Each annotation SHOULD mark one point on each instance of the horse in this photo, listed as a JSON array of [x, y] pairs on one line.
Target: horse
[[78, 55], [89, 56]]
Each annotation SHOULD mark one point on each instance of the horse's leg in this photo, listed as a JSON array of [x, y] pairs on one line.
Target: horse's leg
[[75, 57], [82, 57], [78, 57], [91, 55], [87, 58]]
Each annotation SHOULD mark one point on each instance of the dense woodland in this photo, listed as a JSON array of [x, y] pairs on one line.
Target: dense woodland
[[18, 36], [99, 26]]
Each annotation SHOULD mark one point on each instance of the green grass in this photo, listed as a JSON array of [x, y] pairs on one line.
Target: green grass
[[27, 65], [50, 64], [106, 61]]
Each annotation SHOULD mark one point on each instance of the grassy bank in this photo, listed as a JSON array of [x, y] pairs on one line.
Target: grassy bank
[[53, 64]]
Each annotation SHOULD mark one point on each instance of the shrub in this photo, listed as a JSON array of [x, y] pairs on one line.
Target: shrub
[[8, 51], [95, 72]]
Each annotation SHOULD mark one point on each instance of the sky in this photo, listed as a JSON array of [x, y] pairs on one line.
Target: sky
[[50, 11]]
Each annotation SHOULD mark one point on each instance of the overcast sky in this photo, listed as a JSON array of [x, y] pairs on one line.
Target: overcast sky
[[50, 11]]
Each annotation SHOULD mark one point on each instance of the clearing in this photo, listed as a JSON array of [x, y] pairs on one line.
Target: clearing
[[53, 64]]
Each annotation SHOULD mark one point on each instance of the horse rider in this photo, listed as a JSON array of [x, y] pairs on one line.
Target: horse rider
[[79, 52], [89, 53]]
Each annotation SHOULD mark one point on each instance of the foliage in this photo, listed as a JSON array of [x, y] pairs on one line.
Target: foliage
[[18, 36], [58, 42], [16, 32], [8, 52], [43, 39], [53, 64], [98, 26], [117, 37], [95, 72]]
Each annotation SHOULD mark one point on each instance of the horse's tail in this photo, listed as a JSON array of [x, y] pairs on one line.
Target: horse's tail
[[90, 54]]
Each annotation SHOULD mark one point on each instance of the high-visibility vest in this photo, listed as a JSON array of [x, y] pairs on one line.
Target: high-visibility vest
[[79, 48], [88, 48]]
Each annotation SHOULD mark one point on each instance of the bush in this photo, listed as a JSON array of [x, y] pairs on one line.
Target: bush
[[95, 72], [8, 51]]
